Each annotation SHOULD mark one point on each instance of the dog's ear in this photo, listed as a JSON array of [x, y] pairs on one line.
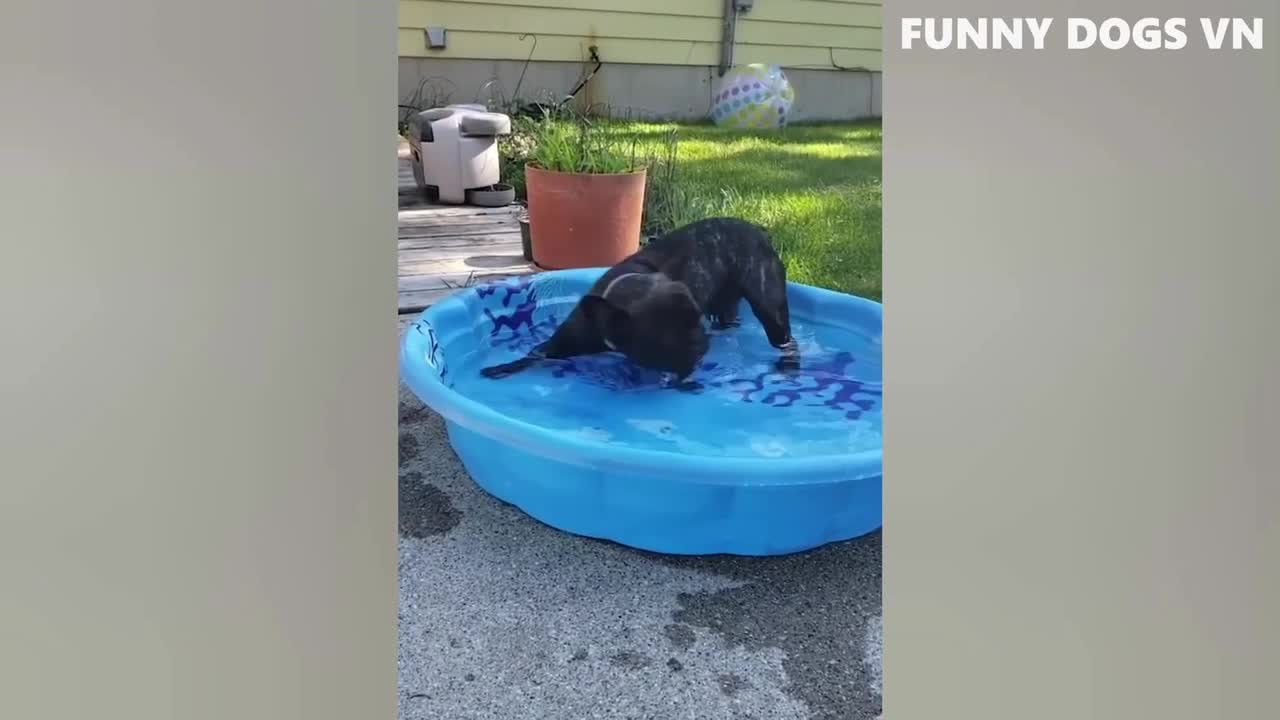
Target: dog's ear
[[608, 319], [678, 305]]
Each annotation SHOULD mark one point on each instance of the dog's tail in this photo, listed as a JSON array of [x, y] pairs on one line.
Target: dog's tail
[[511, 368]]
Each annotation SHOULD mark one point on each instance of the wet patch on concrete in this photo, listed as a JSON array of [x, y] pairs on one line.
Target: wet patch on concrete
[[630, 660], [412, 412], [731, 684], [424, 509], [681, 636], [821, 608], [409, 448]]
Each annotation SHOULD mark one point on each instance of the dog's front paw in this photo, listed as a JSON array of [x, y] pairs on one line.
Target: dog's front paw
[[501, 371], [511, 368], [788, 364]]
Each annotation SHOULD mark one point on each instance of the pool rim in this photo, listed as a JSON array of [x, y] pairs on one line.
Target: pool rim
[[557, 446]]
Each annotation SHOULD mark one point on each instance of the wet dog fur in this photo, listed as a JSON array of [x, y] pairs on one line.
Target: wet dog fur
[[650, 306]]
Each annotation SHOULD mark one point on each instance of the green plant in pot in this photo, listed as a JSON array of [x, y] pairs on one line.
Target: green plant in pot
[[585, 193], [514, 150]]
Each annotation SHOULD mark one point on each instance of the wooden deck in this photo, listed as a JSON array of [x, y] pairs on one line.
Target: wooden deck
[[443, 247]]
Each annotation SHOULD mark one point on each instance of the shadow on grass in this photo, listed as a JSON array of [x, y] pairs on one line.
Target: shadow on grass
[[779, 169], [824, 215], [858, 131], [832, 241]]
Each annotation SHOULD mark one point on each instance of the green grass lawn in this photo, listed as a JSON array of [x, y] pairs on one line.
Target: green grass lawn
[[815, 187]]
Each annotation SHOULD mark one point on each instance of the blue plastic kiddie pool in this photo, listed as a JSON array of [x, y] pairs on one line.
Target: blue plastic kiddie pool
[[751, 462]]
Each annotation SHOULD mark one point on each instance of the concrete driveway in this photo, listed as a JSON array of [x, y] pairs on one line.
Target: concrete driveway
[[502, 617]]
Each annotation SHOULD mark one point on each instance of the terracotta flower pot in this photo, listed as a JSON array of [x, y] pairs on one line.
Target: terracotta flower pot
[[579, 220]]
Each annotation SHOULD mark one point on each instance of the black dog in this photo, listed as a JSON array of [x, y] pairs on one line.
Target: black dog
[[650, 306]]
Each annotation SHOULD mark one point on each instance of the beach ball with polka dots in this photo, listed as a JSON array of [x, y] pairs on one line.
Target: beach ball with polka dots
[[753, 97]]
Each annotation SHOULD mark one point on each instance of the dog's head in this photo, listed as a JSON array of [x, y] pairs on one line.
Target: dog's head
[[655, 322]]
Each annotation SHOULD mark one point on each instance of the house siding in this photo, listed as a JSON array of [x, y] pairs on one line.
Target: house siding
[[800, 34]]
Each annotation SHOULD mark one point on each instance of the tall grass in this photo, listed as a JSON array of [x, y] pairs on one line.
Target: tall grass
[[578, 146], [669, 200], [514, 151]]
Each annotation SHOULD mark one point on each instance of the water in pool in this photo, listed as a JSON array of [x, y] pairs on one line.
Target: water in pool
[[742, 407]]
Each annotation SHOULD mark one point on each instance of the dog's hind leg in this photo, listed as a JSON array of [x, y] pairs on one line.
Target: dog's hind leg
[[766, 293], [723, 308], [765, 289]]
